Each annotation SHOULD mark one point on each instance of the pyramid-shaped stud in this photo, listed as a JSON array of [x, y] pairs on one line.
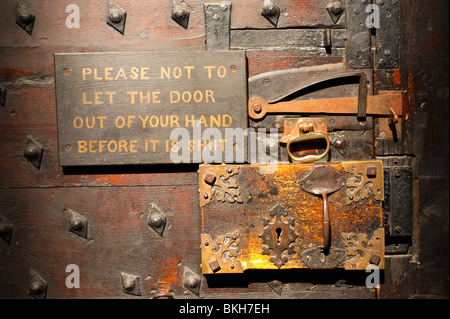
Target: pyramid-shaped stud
[[335, 9], [271, 12], [24, 17], [181, 12], [116, 17]]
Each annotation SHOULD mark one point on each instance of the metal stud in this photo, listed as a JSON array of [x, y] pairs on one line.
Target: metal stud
[[38, 286], [78, 224], [335, 9], [276, 285], [116, 17], [181, 12], [191, 281], [157, 220], [33, 151], [24, 17], [130, 284], [6, 230], [2, 96], [271, 12]]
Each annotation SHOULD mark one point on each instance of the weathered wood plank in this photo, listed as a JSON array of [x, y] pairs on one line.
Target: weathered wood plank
[[31, 110]]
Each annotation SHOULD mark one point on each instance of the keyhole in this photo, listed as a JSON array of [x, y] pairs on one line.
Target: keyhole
[[278, 231]]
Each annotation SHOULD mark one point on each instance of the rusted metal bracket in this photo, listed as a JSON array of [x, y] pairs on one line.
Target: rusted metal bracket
[[258, 107], [217, 20], [219, 255], [387, 54], [318, 258], [364, 251], [379, 105], [218, 182], [358, 44], [367, 177]]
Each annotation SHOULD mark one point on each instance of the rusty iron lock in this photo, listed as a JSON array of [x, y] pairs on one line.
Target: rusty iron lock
[[253, 219]]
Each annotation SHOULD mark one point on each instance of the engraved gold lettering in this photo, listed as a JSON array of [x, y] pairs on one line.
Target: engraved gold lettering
[[85, 71], [108, 73]]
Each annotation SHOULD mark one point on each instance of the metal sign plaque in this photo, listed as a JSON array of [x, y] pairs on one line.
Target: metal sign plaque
[[151, 108]]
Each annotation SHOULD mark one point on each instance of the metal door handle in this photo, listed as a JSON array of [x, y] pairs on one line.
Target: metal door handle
[[304, 133]]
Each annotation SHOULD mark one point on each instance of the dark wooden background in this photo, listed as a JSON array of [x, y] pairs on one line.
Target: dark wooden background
[[116, 200]]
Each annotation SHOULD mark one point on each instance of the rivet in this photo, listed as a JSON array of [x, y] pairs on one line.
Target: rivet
[[214, 265], [192, 282], [115, 16], [31, 152], [210, 179], [371, 171], [257, 108], [155, 221], [229, 170], [270, 10], [374, 259], [36, 288], [340, 143], [398, 229], [76, 224], [397, 174], [305, 127], [205, 195], [129, 284], [181, 14]]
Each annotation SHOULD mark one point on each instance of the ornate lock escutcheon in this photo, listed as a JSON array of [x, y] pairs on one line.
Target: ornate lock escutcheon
[[296, 216]]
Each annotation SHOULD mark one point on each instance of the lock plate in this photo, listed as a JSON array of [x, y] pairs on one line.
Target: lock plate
[[277, 224]]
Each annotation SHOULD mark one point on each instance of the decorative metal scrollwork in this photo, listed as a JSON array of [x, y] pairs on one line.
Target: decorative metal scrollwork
[[219, 183], [278, 236]]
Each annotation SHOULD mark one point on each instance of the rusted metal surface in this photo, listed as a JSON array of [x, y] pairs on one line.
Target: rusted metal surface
[[277, 220], [376, 105]]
